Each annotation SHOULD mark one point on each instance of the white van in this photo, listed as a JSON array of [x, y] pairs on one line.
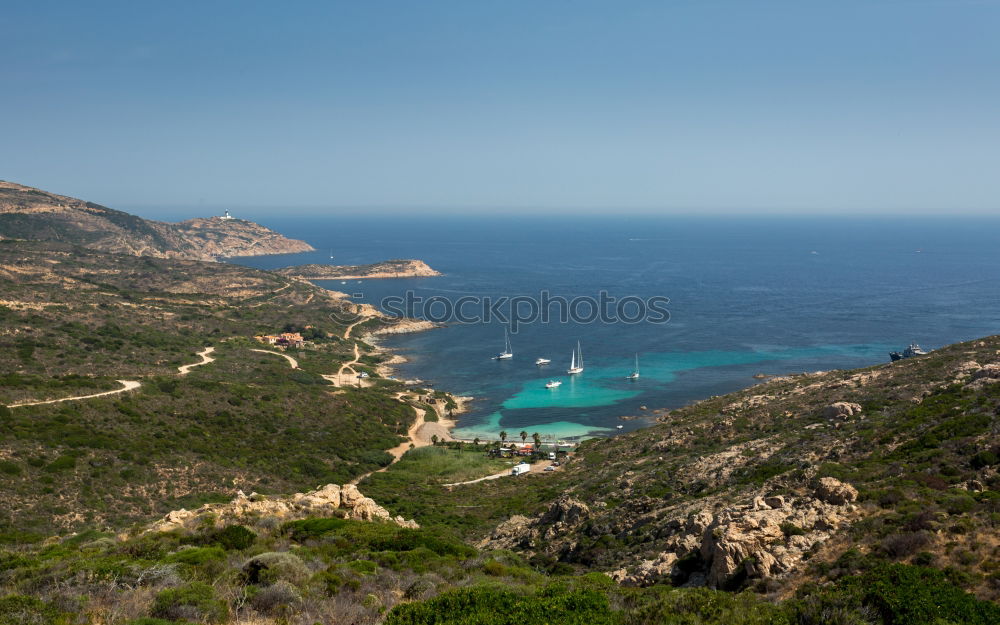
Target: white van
[[521, 468]]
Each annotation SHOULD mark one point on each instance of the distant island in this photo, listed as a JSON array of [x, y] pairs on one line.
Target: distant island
[[31, 214], [387, 269]]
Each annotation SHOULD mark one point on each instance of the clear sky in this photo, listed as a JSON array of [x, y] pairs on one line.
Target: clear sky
[[668, 106]]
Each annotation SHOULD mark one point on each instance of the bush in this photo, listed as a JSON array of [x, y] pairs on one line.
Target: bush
[[193, 602], [235, 537], [903, 545], [272, 566], [916, 595], [983, 459], [9, 467], [277, 598], [64, 462], [197, 556], [790, 529], [487, 605], [21, 610]]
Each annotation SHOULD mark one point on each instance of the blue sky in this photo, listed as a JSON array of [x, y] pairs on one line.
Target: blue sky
[[797, 106]]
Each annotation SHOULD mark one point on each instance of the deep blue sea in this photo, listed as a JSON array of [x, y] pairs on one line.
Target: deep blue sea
[[770, 295]]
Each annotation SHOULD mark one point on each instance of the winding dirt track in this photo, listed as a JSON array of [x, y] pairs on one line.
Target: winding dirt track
[[127, 385], [205, 359], [291, 361], [412, 438]]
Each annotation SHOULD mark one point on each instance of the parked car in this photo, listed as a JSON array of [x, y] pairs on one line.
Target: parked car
[[549, 468]]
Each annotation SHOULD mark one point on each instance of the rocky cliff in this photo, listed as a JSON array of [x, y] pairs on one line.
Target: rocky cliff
[[387, 269], [36, 215]]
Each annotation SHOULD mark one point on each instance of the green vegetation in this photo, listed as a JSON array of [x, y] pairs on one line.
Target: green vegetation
[[918, 546]]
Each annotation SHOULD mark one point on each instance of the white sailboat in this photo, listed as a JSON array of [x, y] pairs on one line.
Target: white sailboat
[[576, 361], [635, 372], [506, 354]]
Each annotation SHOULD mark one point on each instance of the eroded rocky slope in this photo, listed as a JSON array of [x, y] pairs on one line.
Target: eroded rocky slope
[[36, 215]]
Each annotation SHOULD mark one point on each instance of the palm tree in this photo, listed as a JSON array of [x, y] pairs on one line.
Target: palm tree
[[503, 436], [538, 440], [475, 441], [524, 436]]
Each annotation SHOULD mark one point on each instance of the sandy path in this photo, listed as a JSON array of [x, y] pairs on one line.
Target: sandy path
[[205, 359], [347, 332], [538, 467], [127, 385], [274, 294], [291, 361], [412, 438]]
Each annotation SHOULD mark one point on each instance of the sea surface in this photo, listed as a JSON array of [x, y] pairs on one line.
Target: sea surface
[[772, 295]]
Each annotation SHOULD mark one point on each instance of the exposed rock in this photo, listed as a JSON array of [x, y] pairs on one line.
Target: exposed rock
[[775, 502], [833, 491], [990, 371], [841, 409], [329, 500], [741, 540]]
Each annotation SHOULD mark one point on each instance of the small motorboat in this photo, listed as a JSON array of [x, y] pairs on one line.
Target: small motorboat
[[542, 361], [552, 384]]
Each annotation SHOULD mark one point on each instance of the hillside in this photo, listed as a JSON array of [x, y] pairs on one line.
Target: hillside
[[35, 215], [78, 322], [386, 269], [794, 481], [843, 497]]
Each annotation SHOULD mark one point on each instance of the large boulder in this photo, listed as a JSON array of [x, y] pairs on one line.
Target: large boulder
[[841, 410], [833, 491]]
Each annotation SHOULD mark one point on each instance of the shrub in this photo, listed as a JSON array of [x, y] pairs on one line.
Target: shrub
[[276, 598], [235, 537], [9, 467], [21, 610], [903, 545], [192, 602], [959, 504], [197, 556], [364, 567], [983, 459], [64, 462], [790, 529], [487, 605], [272, 566], [916, 595]]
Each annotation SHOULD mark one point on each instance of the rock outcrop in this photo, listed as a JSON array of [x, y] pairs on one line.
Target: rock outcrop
[[833, 491], [841, 410], [520, 532], [766, 538], [330, 500]]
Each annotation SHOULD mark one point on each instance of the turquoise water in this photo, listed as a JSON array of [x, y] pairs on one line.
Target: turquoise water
[[608, 386], [747, 296]]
